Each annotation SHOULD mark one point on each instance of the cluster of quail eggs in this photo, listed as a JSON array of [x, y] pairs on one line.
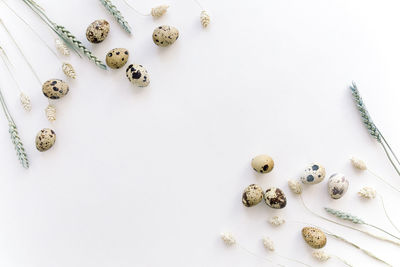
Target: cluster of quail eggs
[[254, 194], [337, 183]]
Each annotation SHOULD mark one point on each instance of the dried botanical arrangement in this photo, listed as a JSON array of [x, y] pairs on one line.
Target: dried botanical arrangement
[[117, 15], [67, 68], [372, 129], [155, 12], [16, 140], [296, 188], [25, 100], [362, 166], [354, 219], [64, 34]]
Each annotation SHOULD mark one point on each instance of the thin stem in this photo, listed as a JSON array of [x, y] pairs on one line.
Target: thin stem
[[342, 260], [134, 9], [347, 226], [257, 256], [7, 63], [389, 157], [380, 229], [383, 180], [31, 28], [294, 260], [5, 108], [391, 150], [22, 53], [199, 4], [387, 215]]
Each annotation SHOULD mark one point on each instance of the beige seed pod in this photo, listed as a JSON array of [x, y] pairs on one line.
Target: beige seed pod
[[320, 255], [204, 19], [51, 112], [276, 221], [358, 164], [367, 192], [228, 239], [68, 70], [25, 101], [268, 244], [61, 47], [295, 187], [158, 11]]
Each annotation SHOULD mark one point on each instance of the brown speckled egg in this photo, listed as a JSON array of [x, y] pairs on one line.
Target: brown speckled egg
[[45, 139], [97, 31], [252, 195], [275, 198], [337, 185], [165, 35], [137, 75], [117, 58], [55, 88], [314, 237], [262, 163]]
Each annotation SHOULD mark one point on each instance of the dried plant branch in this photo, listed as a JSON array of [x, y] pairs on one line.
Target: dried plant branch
[[372, 129], [16, 140], [65, 35], [354, 219], [116, 14]]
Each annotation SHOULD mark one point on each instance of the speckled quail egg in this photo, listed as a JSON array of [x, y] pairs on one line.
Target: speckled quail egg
[[313, 174], [97, 31], [262, 163], [165, 35], [252, 195], [337, 185], [117, 58], [45, 139], [314, 237], [55, 88], [137, 75], [275, 198]]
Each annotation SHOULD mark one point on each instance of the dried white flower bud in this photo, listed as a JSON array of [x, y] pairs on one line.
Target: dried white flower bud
[[268, 244], [367, 192], [295, 186], [62, 47], [158, 11], [276, 220], [25, 101], [51, 113], [204, 19], [320, 255], [228, 239], [68, 70], [358, 163]]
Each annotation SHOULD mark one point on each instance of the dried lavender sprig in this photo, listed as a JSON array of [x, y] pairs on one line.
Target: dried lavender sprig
[[117, 15], [354, 219], [16, 140], [65, 35], [372, 129]]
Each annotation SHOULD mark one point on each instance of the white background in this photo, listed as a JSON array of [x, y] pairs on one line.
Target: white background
[[151, 176]]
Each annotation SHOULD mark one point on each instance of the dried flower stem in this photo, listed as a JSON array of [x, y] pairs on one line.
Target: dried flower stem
[[354, 219], [116, 14], [16, 140], [383, 180], [65, 35], [373, 130], [347, 226], [387, 215], [156, 12]]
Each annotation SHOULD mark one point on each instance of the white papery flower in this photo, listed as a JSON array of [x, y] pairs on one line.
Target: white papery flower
[[295, 186], [268, 244], [358, 164], [228, 239], [276, 220], [320, 255], [367, 192]]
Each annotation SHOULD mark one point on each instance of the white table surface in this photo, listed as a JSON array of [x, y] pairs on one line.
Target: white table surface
[[150, 177]]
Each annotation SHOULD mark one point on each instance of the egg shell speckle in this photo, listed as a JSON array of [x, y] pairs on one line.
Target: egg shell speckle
[[275, 198], [165, 35], [137, 75], [262, 163], [252, 195], [55, 89], [337, 185], [45, 139], [313, 174], [97, 31], [117, 58], [314, 237]]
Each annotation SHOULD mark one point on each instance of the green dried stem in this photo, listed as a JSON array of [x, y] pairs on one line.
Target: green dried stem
[[117, 15], [372, 129], [354, 219], [16, 140], [65, 35]]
